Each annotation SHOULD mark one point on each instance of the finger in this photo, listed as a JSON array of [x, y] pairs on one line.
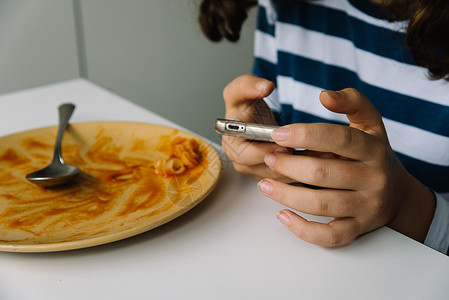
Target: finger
[[359, 110], [339, 139], [323, 172], [319, 202], [315, 154], [246, 152], [244, 88], [337, 233], [260, 172]]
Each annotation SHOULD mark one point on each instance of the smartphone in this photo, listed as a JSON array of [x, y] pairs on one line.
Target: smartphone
[[251, 131]]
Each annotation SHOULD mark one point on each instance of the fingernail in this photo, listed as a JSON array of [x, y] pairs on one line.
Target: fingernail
[[261, 85], [280, 134], [280, 150], [265, 187], [270, 159], [284, 218], [333, 94]]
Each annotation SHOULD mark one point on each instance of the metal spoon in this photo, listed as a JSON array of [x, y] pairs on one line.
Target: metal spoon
[[57, 172]]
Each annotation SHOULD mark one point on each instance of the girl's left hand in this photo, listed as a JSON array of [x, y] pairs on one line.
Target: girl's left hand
[[363, 185]]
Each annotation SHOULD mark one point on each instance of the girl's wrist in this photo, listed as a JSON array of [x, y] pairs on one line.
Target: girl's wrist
[[416, 212]]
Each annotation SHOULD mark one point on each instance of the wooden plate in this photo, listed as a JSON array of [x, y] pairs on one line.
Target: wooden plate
[[118, 194]]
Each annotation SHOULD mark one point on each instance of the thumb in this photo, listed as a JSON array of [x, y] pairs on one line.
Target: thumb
[[358, 109], [244, 88]]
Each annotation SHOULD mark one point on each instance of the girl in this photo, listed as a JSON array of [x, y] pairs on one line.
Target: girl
[[317, 63]]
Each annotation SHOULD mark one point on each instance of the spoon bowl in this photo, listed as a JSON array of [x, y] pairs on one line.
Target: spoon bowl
[[57, 172], [53, 175]]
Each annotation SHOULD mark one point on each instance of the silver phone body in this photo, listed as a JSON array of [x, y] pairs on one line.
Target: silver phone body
[[251, 131]]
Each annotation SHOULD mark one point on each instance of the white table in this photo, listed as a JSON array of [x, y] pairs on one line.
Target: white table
[[231, 246]]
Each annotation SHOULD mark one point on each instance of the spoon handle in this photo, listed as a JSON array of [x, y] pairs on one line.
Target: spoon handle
[[65, 112]]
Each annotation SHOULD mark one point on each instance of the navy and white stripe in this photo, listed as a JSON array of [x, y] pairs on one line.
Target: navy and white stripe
[[307, 46]]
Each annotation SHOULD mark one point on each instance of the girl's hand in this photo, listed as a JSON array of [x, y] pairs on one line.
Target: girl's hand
[[363, 185], [243, 100]]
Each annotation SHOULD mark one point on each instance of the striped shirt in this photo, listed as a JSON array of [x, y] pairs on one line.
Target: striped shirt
[[309, 46]]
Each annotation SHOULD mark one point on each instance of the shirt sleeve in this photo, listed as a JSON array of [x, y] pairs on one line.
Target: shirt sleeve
[[438, 235]]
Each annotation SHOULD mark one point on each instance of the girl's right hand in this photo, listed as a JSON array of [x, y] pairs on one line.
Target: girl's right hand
[[244, 102]]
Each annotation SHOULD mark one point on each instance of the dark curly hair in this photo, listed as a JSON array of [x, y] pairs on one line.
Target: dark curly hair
[[223, 18], [427, 33]]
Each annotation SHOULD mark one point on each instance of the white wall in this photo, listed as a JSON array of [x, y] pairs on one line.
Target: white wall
[[153, 53], [149, 51], [37, 43]]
